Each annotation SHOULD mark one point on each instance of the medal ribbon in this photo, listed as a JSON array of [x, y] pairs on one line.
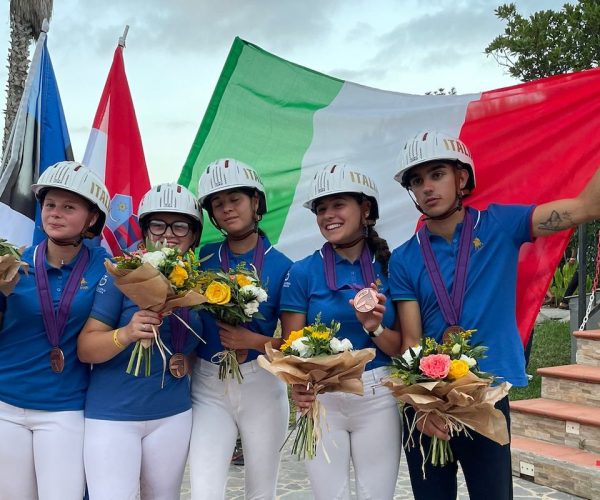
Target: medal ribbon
[[451, 308], [178, 329], [366, 268], [258, 257], [55, 323]]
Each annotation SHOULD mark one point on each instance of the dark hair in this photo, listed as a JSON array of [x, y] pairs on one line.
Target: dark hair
[[379, 248]]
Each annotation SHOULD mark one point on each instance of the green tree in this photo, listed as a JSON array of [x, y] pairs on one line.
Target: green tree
[[548, 42], [26, 18]]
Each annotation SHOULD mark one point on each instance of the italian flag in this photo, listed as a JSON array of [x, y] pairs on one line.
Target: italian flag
[[531, 143]]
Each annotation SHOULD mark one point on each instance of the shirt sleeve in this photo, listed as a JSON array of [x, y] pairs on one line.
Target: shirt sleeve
[[401, 286], [294, 293], [108, 302], [514, 220]]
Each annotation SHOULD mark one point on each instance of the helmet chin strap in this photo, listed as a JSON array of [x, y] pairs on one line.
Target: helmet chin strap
[[84, 233]]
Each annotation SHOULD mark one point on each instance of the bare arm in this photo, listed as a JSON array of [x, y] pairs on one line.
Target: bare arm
[[559, 215], [96, 344], [409, 314]]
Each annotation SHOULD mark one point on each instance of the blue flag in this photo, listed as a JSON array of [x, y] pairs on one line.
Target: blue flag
[[39, 138]]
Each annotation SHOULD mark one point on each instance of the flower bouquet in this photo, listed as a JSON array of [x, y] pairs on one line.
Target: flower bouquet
[[445, 380], [10, 262], [316, 359], [234, 298], [161, 279]]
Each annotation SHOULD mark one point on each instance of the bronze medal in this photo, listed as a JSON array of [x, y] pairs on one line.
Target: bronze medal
[[365, 300], [57, 360], [450, 330], [178, 365]]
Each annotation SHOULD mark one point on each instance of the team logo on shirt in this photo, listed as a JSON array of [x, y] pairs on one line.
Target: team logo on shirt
[[286, 281], [83, 285], [477, 243]]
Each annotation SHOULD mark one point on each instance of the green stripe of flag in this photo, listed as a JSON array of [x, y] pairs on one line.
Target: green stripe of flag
[[261, 113]]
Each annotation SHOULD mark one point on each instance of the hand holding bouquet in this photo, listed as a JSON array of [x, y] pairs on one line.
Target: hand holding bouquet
[[10, 263], [234, 298], [445, 380], [314, 358], [158, 278]]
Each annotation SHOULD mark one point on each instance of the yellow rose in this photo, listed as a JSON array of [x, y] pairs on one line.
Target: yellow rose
[[243, 280], [458, 369], [294, 335], [218, 293], [178, 276]]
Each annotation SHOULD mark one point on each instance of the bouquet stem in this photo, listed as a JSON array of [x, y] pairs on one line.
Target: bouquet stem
[[440, 452], [229, 366], [140, 357]]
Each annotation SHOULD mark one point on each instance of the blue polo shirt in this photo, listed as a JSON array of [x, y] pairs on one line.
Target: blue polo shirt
[[305, 291], [490, 295], [275, 267], [26, 379], [116, 395]]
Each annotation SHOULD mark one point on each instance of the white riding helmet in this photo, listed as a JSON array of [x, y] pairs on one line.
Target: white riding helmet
[[226, 174], [79, 179], [338, 179], [432, 145], [172, 198]]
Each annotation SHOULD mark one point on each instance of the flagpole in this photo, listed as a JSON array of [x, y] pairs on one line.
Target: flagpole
[[122, 38]]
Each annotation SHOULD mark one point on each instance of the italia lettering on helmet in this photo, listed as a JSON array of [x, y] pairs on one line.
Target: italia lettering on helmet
[[341, 179]]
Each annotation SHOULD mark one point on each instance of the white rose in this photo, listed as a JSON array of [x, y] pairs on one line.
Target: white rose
[[455, 348], [470, 361], [346, 345], [261, 294], [336, 345], [301, 347], [251, 308], [407, 356], [155, 259]]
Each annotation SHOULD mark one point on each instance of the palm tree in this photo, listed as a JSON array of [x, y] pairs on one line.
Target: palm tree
[[26, 18]]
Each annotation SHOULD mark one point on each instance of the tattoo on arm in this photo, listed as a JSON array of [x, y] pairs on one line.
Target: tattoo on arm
[[557, 222]]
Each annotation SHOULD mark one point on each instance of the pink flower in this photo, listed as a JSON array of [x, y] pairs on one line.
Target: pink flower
[[435, 365]]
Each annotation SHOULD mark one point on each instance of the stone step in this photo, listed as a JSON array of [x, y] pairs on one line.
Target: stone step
[[588, 347], [561, 467], [572, 383], [557, 422]]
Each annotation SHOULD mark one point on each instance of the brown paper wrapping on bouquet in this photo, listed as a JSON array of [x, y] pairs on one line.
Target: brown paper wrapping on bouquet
[[9, 272], [334, 373], [149, 289], [469, 400]]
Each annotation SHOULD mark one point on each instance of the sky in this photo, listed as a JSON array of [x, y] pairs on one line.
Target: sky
[[175, 51]]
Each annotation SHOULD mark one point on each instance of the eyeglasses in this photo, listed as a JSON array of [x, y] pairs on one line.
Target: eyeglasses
[[178, 228]]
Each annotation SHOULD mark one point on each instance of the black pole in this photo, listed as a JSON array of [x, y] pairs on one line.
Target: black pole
[[581, 302]]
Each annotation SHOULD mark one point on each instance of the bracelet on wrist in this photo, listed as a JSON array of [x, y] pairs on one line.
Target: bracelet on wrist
[[116, 339], [375, 333]]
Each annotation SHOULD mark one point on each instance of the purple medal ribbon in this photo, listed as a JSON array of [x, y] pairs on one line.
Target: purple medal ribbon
[[55, 323], [178, 329], [451, 308], [366, 268], [258, 257]]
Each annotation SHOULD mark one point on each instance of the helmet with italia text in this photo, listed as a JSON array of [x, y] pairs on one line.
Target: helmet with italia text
[[172, 198], [342, 179], [79, 179], [228, 174], [430, 146]]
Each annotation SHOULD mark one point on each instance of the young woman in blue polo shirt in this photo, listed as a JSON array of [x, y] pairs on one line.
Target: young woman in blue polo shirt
[[233, 195], [137, 430], [438, 172], [42, 383], [362, 429]]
